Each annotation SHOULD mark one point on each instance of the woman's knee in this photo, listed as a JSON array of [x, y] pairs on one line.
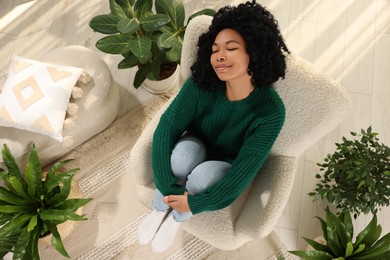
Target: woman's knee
[[206, 174], [186, 155]]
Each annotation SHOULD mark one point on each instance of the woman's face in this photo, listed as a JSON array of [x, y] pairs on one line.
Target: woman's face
[[229, 58]]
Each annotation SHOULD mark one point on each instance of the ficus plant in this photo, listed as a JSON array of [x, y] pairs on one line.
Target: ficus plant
[[338, 233], [144, 38], [356, 177], [32, 207]]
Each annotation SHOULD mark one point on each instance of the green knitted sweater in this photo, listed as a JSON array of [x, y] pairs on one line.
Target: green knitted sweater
[[240, 132]]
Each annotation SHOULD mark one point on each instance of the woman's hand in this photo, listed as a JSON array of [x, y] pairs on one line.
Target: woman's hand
[[178, 202]]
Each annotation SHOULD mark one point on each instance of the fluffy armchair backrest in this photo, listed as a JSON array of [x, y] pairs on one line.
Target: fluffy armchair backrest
[[314, 103]]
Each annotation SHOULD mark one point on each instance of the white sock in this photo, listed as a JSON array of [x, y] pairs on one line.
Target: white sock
[[166, 234], [149, 226]]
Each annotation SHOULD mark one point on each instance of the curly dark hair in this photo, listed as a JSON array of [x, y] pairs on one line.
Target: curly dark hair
[[264, 45]]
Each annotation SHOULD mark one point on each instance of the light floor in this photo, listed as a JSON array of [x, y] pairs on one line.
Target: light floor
[[347, 39]]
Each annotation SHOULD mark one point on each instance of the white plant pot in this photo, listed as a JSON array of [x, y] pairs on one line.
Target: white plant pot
[[161, 86]]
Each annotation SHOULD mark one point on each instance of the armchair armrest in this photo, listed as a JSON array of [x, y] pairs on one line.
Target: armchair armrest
[[141, 153], [268, 197]]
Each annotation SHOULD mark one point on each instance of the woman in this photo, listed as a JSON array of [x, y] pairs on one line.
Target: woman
[[214, 137]]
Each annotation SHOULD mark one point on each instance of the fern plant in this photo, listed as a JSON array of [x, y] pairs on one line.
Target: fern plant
[[31, 208], [338, 234]]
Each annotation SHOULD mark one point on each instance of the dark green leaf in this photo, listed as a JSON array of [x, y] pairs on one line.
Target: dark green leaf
[[174, 9], [312, 255], [73, 204], [174, 53], [140, 46], [106, 23], [209, 12], [22, 244], [168, 40], [114, 44], [53, 181], [127, 7], [141, 7], [381, 247], [15, 225], [116, 10], [140, 75], [128, 25], [15, 209], [56, 241], [33, 174], [10, 198], [128, 62], [317, 246], [154, 22], [10, 163], [60, 215], [63, 194], [368, 232]]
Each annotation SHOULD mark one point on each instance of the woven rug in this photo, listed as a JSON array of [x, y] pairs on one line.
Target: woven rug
[[115, 213]]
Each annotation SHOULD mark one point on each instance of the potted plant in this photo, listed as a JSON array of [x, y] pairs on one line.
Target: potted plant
[[151, 41], [32, 207], [357, 175], [338, 235]]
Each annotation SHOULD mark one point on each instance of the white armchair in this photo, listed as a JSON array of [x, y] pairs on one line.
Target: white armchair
[[314, 105]]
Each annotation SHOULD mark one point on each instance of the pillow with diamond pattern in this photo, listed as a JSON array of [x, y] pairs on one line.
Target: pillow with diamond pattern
[[36, 95]]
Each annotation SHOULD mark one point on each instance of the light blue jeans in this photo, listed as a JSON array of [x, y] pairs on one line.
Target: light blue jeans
[[189, 166]]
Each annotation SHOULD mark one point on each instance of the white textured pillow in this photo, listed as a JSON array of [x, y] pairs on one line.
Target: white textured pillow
[[35, 96]]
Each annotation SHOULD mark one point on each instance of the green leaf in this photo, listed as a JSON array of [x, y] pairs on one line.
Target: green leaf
[[18, 188], [174, 9], [114, 44], [128, 25], [381, 247], [127, 7], [317, 246], [168, 40], [53, 181], [324, 227], [56, 167], [10, 198], [56, 241], [362, 183], [33, 174], [128, 62], [15, 209], [143, 6], [365, 236], [154, 22], [105, 23], [140, 75], [21, 244], [60, 215], [174, 53], [140, 46], [15, 225], [73, 204], [10, 163], [32, 223], [207, 11], [116, 10], [312, 255], [63, 194], [349, 249]]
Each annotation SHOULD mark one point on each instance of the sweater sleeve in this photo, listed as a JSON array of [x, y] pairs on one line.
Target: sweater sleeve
[[174, 121], [248, 162]]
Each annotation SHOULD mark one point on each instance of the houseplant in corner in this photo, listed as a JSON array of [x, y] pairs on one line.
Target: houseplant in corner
[[33, 206], [338, 234], [150, 41], [357, 175]]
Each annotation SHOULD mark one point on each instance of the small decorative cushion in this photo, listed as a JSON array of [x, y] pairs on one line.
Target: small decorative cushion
[[35, 96]]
